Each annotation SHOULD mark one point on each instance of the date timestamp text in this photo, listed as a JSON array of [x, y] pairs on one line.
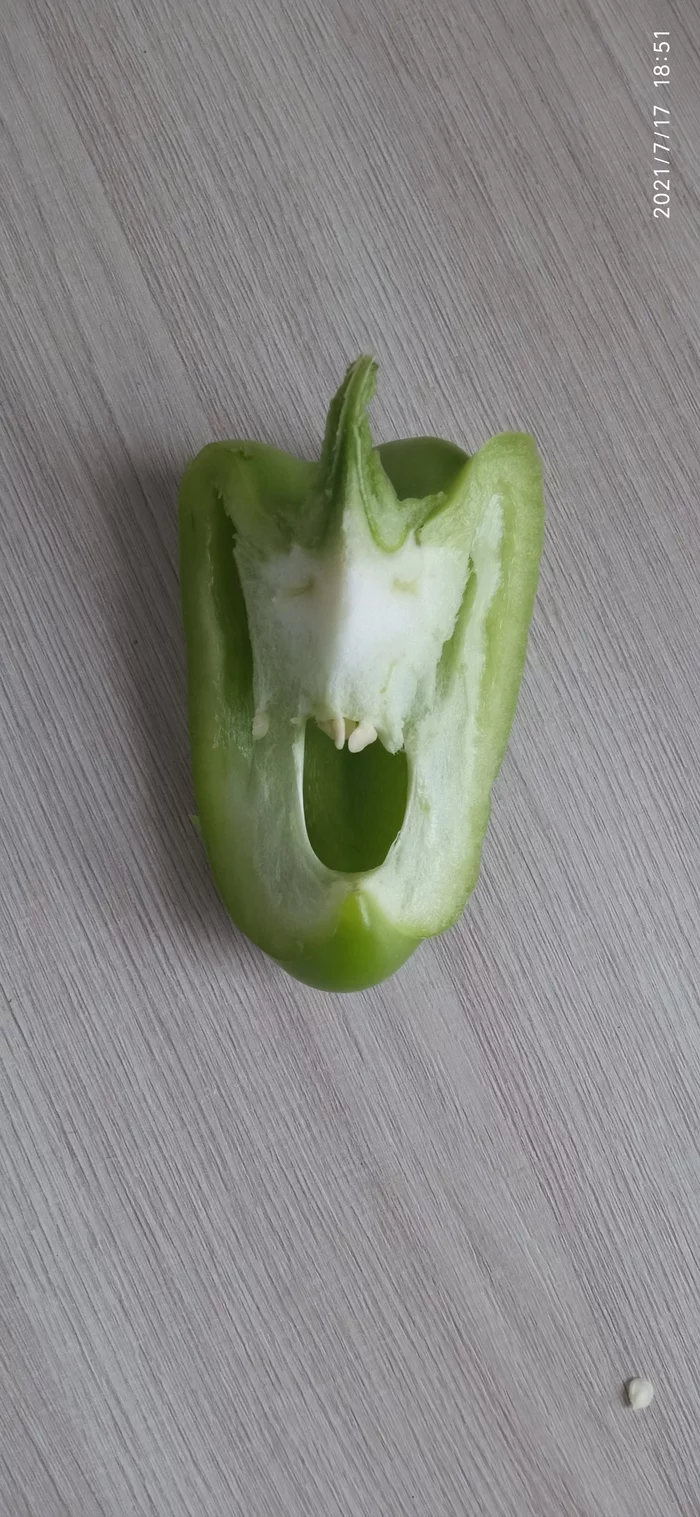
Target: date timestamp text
[[662, 130]]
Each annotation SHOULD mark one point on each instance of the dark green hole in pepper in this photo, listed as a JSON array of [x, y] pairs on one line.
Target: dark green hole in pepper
[[354, 803]]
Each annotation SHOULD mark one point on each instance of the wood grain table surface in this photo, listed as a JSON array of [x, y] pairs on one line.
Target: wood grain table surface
[[263, 1250]]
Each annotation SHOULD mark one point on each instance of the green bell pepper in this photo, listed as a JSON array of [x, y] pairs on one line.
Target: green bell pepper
[[356, 633]]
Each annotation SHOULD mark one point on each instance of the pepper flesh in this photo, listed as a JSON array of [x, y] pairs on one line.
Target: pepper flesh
[[356, 632]]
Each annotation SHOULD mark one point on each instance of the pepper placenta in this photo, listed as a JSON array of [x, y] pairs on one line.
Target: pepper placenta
[[356, 632]]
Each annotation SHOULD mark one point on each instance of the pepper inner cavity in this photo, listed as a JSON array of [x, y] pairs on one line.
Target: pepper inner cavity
[[354, 802]]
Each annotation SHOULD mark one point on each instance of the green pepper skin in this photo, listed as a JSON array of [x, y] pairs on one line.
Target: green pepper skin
[[380, 591]]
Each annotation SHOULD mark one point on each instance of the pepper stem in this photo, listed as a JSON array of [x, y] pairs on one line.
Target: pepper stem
[[351, 476]]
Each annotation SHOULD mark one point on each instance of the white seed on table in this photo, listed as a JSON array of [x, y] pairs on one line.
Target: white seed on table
[[640, 1393]]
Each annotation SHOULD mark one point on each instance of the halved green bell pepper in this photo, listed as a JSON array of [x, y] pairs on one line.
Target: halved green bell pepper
[[356, 632]]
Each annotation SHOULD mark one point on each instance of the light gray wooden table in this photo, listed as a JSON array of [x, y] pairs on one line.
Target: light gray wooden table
[[266, 1251]]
